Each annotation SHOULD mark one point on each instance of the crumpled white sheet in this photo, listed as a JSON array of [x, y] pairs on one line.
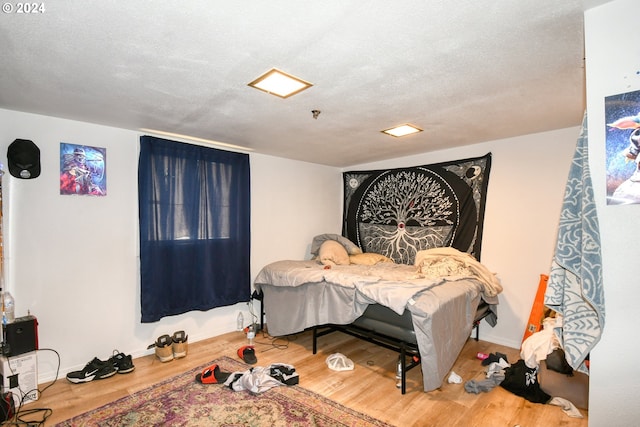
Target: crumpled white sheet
[[567, 407], [542, 343], [260, 379]]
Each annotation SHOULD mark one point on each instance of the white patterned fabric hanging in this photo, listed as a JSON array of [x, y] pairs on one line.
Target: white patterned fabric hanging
[[575, 287]]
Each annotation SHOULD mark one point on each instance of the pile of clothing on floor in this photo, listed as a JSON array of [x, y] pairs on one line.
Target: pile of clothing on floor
[[521, 377], [255, 380]]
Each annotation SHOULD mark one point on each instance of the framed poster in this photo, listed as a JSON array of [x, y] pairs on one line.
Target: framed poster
[[83, 170], [622, 116]]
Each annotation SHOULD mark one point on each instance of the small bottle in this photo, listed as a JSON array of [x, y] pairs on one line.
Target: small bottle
[[240, 322], [8, 308], [251, 334], [399, 373]]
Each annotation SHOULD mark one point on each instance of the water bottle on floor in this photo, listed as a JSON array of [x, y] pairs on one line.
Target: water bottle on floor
[[399, 373], [251, 334], [8, 308], [240, 322]]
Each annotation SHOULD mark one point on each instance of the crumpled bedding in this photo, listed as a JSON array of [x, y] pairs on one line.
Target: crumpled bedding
[[438, 262], [389, 284], [394, 294], [295, 273], [302, 294]]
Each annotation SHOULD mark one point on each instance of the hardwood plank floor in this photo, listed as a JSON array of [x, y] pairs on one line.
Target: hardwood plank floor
[[370, 388]]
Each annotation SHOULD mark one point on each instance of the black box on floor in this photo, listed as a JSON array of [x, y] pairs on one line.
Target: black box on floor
[[20, 336]]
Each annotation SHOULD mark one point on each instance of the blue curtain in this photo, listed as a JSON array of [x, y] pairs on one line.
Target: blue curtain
[[194, 207]]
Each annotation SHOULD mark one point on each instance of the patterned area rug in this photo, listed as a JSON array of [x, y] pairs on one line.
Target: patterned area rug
[[181, 401]]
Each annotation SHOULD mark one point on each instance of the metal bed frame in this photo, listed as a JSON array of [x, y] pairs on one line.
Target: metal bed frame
[[404, 342], [407, 346]]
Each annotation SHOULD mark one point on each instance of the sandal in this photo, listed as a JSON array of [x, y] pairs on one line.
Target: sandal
[[212, 375], [248, 354]]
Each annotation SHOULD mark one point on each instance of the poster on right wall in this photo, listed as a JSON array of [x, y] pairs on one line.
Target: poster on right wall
[[622, 118]]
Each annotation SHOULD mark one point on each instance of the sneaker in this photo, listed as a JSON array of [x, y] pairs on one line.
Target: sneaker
[[121, 362], [180, 345], [95, 370]]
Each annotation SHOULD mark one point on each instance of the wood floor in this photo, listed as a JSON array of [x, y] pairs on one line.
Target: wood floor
[[370, 388]]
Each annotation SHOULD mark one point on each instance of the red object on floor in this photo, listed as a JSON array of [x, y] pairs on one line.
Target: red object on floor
[[248, 354], [212, 375], [537, 310]]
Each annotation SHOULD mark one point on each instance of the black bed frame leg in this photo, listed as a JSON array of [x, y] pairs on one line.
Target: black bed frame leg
[[403, 369], [315, 340], [260, 297]]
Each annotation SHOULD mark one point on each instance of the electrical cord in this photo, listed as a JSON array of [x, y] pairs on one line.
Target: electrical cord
[[19, 418], [254, 318], [275, 342]]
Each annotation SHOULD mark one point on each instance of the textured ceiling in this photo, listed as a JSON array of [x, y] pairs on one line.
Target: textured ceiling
[[465, 72]]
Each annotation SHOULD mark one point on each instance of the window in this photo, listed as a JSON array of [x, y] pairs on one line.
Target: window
[[194, 207]]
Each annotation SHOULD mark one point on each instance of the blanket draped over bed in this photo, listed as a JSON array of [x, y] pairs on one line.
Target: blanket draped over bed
[[303, 294], [575, 282]]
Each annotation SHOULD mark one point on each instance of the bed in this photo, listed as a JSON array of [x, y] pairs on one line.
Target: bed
[[404, 273]]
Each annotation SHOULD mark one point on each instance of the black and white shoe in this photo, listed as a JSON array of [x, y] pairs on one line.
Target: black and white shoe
[[122, 362], [94, 370]]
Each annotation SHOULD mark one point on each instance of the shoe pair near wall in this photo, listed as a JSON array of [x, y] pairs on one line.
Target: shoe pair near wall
[[171, 347], [99, 369]]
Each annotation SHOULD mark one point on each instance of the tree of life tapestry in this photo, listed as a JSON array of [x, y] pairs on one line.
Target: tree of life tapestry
[[397, 212]]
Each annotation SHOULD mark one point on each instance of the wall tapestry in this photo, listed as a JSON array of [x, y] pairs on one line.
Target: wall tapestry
[[397, 212], [622, 116], [83, 170]]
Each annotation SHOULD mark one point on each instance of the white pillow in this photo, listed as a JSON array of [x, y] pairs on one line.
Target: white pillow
[[351, 247], [368, 258], [333, 253]]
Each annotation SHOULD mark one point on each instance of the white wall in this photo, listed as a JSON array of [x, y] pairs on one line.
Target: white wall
[[613, 67], [526, 185], [72, 261]]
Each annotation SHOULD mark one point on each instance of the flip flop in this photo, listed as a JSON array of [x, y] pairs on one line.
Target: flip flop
[[212, 375], [248, 354]]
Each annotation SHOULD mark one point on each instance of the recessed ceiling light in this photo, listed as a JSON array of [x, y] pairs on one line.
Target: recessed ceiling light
[[402, 130], [279, 83]]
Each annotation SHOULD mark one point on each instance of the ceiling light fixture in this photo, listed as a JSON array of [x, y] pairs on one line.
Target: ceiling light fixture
[[279, 83], [402, 130]]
